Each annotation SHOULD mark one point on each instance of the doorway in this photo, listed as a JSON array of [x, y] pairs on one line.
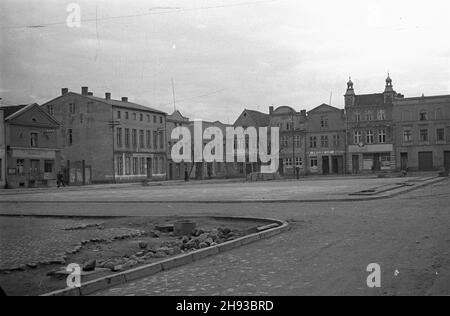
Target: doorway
[[376, 162], [404, 161], [447, 160], [149, 168], [325, 165], [426, 161], [355, 164]]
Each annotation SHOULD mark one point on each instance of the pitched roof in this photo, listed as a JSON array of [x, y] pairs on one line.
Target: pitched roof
[[127, 105], [14, 111], [10, 110], [260, 119], [325, 106], [112, 102], [369, 99]]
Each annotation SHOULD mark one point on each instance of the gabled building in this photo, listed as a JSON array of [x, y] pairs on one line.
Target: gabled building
[[326, 140], [176, 171], [107, 140], [32, 151], [370, 129]]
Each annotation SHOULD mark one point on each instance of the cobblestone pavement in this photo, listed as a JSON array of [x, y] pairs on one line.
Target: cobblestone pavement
[[327, 253], [280, 190], [39, 240]]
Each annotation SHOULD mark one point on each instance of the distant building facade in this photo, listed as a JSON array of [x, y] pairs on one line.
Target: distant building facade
[[32, 151], [370, 132], [2, 150], [326, 141], [292, 125], [422, 133], [106, 140], [176, 170]]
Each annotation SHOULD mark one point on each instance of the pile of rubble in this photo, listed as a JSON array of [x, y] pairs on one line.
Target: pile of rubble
[[199, 239]]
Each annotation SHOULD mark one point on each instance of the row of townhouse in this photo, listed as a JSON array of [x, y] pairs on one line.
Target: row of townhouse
[[91, 139], [375, 132]]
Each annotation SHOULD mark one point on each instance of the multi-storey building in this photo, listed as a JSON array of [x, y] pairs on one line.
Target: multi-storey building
[[370, 129], [422, 132], [292, 126], [176, 171], [32, 152], [326, 140], [256, 119], [2, 150], [107, 140]]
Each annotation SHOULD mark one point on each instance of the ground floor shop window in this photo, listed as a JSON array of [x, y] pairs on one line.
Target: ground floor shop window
[[120, 166], [314, 162], [48, 166], [128, 165], [135, 166]]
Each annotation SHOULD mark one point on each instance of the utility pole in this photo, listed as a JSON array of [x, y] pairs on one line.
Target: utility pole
[[173, 94], [113, 124]]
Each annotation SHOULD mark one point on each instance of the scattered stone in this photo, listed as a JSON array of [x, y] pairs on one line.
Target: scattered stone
[[143, 245], [154, 234], [203, 245], [32, 265], [89, 265], [140, 254], [165, 228]]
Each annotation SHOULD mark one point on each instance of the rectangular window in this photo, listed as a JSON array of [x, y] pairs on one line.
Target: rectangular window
[[34, 139], [20, 164], [381, 115], [382, 136], [72, 108], [298, 162], [423, 116], [149, 139], [154, 119], [119, 137], [161, 140], [142, 169], [155, 139], [298, 142], [50, 109], [119, 115], [369, 137], [336, 140], [119, 168], [314, 162], [357, 137], [127, 115], [323, 121], [160, 119], [141, 117], [141, 139], [127, 137], [134, 116], [440, 135], [407, 136], [369, 116], [357, 117], [423, 135], [148, 118], [70, 137], [48, 166], [128, 165], [313, 142], [324, 141], [135, 166], [134, 138], [288, 162]]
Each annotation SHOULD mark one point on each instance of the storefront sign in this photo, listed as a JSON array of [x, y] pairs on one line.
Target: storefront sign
[[34, 153], [379, 148]]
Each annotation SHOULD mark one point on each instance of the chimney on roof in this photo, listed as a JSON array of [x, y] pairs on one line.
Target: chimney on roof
[[124, 99], [90, 94], [270, 109], [84, 90], [64, 91], [107, 96], [303, 113]]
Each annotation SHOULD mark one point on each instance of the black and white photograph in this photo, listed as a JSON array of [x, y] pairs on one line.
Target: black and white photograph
[[224, 155]]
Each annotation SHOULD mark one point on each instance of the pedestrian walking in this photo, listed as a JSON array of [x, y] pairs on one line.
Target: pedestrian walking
[[60, 180]]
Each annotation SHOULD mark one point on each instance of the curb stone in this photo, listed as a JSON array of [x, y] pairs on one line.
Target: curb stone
[[154, 268]]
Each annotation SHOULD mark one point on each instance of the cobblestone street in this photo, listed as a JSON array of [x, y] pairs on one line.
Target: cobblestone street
[[326, 251], [31, 240]]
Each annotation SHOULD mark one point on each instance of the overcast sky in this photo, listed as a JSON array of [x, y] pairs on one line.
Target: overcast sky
[[240, 54]]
